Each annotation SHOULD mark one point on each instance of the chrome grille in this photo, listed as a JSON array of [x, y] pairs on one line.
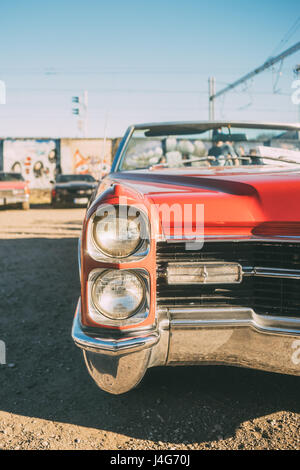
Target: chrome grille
[[276, 296]]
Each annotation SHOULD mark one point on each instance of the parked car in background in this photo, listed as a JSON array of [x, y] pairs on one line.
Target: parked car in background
[[190, 252], [73, 190], [14, 190]]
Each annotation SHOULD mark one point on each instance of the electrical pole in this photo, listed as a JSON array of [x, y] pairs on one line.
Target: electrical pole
[[262, 68], [211, 99]]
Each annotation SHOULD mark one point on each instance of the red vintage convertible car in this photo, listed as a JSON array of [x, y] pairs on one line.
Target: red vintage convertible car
[[190, 252]]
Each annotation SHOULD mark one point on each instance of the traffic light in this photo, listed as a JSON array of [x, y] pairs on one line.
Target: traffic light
[[79, 109]]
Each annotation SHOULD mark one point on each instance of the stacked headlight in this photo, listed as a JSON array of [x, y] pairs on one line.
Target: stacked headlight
[[116, 234], [118, 294]]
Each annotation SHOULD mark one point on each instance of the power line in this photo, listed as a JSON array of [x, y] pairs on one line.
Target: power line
[[258, 70], [269, 63], [288, 35], [129, 90]]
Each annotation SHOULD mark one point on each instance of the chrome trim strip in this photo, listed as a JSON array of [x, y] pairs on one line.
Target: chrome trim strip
[[259, 271], [110, 346], [211, 124], [228, 238], [204, 265], [271, 272], [276, 272], [232, 316], [123, 146], [246, 271]]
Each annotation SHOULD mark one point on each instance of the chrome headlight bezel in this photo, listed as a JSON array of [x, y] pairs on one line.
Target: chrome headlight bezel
[[138, 316], [95, 251]]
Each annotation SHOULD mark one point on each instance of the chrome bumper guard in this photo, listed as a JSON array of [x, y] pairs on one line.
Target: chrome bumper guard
[[13, 199], [110, 346], [228, 336]]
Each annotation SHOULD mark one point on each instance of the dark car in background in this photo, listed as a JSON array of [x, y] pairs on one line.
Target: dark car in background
[[74, 190], [13, 190]]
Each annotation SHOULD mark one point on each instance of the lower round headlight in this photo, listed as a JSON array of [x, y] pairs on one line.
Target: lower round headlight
[[118, 294]]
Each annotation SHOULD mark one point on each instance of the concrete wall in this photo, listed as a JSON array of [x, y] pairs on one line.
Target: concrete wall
[[35, 158], [40, 160], [1, 155], [82, 156]]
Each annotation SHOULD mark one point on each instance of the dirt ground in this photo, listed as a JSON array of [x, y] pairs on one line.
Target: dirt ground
[[48, 400]]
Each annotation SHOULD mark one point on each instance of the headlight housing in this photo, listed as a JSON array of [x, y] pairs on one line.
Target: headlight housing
[[118, 232], [118, 294], [116, 236]]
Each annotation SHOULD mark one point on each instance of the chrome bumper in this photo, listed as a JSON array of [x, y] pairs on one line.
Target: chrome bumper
[[229, 336], [13, 199], [110, 346]]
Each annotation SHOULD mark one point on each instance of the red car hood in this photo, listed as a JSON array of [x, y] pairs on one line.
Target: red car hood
[[6, 185], [235, 201]]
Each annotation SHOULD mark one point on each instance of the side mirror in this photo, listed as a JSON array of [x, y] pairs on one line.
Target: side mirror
[[52, 182]]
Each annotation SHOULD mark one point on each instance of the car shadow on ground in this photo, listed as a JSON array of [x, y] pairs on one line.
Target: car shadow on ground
[[46, 377], [62, 206]]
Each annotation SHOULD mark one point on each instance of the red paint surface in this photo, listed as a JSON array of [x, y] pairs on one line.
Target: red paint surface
[[245, 203], [8, 185]]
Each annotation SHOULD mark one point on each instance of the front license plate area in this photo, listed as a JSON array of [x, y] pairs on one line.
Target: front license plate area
[[83, 200]]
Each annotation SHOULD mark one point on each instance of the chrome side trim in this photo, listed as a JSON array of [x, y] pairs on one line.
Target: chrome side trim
[[111, 346], [227, 238], [123, 146], [276, 272]]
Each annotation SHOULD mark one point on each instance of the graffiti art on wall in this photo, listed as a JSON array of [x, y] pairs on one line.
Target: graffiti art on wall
[[90, 156], [35, 159], [91, 164]]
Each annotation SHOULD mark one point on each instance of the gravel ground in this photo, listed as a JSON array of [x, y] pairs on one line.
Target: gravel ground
[[48, 400]]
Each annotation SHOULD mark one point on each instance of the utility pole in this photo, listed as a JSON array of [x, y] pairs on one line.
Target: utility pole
[[261, 68], [211, 99]]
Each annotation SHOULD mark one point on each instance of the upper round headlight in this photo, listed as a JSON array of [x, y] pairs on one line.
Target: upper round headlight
[[118, 294], [115, 235]]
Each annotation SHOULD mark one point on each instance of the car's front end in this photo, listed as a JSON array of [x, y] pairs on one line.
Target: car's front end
[[13, 190], [73, 190], [190, 266]]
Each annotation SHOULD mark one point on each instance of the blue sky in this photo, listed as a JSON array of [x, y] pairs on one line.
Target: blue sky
[[141, 61]]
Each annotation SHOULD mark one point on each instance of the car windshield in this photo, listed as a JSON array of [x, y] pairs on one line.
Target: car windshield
[[68, 178], [210, 145], [11, 177]]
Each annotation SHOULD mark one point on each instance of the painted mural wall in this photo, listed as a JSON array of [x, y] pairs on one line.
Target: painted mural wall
[[83, 156], [36, 159], [40, 160]]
